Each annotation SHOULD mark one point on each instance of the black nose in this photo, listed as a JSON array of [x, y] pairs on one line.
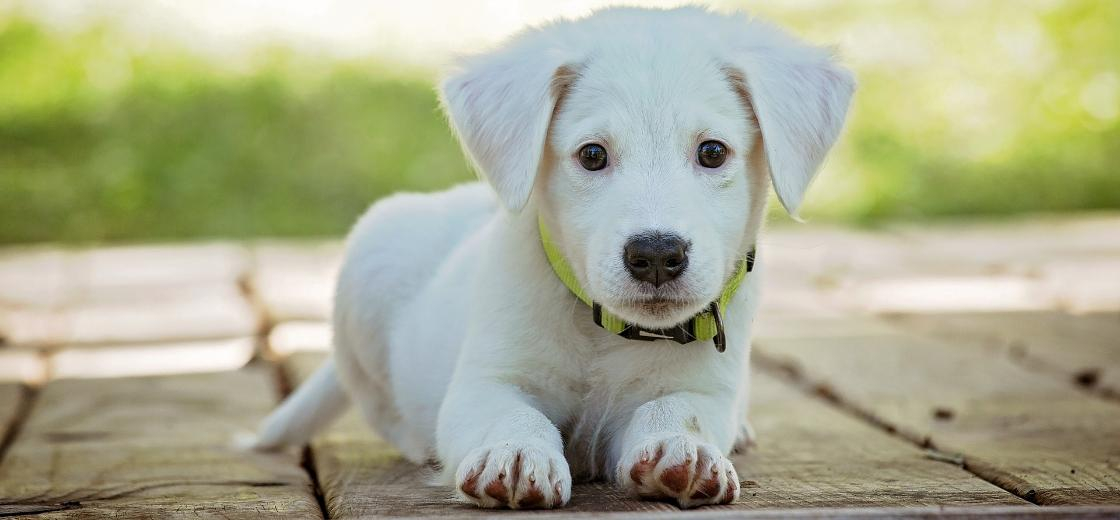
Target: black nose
[[655, 258]]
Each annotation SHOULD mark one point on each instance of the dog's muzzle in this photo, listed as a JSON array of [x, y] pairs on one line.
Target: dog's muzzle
[[706, 325]]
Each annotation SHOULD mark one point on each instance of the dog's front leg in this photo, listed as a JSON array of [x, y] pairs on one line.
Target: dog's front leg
[[505, 452], [669, 451]]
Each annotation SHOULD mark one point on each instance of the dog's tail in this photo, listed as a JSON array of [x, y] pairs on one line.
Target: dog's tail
[[314, 405]]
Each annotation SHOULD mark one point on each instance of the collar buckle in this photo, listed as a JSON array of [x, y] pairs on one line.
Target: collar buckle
[[683, 333]]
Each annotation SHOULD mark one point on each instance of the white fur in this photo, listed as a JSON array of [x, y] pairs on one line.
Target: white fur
[[456, 339]]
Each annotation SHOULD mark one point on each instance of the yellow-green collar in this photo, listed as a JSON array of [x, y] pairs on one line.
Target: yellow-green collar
[[708, 324]]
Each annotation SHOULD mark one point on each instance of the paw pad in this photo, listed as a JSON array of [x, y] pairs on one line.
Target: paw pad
[[510, 476], [679, 469]]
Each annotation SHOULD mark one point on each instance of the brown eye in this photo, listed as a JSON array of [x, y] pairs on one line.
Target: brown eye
[[711, 154], [593, 157]]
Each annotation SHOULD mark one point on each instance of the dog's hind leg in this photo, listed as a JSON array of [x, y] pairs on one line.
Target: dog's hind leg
[[314, 405]]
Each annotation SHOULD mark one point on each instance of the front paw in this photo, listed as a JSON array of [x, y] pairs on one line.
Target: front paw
[[514, 475], [677, 468]]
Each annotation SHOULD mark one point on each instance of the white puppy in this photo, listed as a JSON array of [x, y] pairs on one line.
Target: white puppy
[[642, 144]]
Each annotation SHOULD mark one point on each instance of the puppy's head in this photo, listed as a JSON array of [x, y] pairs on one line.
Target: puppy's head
[[647, 140]]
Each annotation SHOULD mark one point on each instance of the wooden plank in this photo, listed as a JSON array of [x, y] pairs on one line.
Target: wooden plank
[[1084, 284], [1030, 264], [1036, 436], [363, 476], [115, 273], [295, 281], [1085, 349], [51, 297], [926, 512], [33, 276], [290, 337], [929, 294], [208, 312], [134, 360], [808, 268], [11, 395], [23, 365], [152, 447], [800, 326], [1016, 246], [810, 455]]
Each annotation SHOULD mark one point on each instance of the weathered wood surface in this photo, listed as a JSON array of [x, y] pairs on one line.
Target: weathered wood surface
[[983, 351], [1033, 434], [295, 281], [50, 298], [811, 456], [206, 312], [1083, 348], [299, 336], [44, 277], [1048, 249], [129, 360], [11, 395], [1028, 265], [361, 475], [1009, 512], [151, 447], [22, 365], [33, 276]]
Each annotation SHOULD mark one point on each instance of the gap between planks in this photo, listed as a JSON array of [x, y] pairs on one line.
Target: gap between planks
[[1089, 374], [824, 392], [265, 354], [13, 426], [874, 397], [284, 387]]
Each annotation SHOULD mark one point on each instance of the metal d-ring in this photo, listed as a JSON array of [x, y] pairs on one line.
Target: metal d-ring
[[720, 338]]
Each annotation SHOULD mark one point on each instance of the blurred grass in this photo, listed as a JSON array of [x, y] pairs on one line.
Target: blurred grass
[[1000, 109], [971, 108], [96, 144]]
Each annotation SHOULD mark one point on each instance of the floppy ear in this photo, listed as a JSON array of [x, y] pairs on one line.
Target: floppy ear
[[799, 96], [500, 105]]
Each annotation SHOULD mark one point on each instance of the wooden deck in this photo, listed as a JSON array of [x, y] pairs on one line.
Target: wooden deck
[[968, 370]]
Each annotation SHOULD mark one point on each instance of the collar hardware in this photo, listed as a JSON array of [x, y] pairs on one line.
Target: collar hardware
[[708, 324], [720, 338]]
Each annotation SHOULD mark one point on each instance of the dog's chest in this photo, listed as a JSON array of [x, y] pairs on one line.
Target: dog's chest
[[614, 382]]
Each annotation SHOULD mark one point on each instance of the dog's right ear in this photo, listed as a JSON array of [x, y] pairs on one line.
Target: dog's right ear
[[799, 96], [501, 105]]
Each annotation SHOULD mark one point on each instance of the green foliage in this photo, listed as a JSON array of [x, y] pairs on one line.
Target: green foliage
[[972, 108], [964, 108], [98, 145]]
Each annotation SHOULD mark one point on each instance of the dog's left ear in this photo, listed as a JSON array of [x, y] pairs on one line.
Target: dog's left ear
[[501, 105], [799, 95]]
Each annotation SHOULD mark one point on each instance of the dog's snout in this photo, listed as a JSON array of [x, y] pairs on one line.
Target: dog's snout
[[655, 257]]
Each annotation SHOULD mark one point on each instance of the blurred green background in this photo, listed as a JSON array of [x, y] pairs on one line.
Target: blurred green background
[[964, 109]]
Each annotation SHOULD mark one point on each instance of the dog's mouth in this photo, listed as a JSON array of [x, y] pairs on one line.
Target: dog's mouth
[[659, 311], [659, 304], [653, 306]]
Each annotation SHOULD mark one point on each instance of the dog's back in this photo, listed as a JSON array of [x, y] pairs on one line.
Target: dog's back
[[395, 253]]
